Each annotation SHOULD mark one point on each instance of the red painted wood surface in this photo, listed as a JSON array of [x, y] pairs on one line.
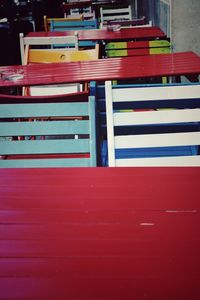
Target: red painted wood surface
[[100, 233], [107, 35], [182, 63]]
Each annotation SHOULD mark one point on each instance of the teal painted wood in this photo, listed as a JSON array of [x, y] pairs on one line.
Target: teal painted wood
[[75, 25], [45, 146], [43, 110], [47, 163], [44, 128], [59, 133]]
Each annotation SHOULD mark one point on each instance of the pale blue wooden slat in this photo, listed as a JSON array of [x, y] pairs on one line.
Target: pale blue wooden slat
[[67, 25], [44, 128], [44, 146], [58, 130], [43, 110], [40, 163]]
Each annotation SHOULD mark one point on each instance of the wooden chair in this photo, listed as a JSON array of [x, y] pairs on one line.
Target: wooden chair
[[86, 12], [153, 126], [61, 55], [75, 25], [135, 48], [58, 55], [26, 43], [47, 21], [41, 131], [73, 8], [108, 14]]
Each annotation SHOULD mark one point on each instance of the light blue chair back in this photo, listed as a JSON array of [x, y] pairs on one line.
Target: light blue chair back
[[60, 134]]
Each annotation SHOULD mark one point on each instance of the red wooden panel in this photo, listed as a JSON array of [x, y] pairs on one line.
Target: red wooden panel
[[138, 44], [99, 233], [138, 52], [182, 63], [139, 33]]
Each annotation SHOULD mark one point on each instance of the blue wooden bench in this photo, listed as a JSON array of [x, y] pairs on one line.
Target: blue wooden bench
[[47, 131], [148, 104]]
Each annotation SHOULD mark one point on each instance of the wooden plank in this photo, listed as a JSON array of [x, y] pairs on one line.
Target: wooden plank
[[132, 33], [181, 161], [43, 110], [45, 163], [110, 122], [173, 64], [157, 140], [77, 188], [44, 128], [159, 93], [45, 146], [156, 117]]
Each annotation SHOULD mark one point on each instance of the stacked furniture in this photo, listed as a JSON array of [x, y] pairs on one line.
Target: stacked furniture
[[57, 25], [64, 49]]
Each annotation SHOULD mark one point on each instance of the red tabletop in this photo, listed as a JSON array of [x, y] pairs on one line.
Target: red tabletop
[[187, 63], [107, 35], [100, 233]]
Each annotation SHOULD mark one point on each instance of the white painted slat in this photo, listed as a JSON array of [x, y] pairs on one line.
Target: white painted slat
[[110, 127], [178, 161], [107, 14], [157, 117], [48, 90], [157, 140], [156, 93], [116, 10], [169, 116], [116, 17], [50, 40], [25, 42]]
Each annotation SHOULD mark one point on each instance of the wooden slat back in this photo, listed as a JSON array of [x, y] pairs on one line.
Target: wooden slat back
[[108, 14], [58, 129], [47, 21], [117, 49], [152, 132], [62, 41], [76, 25], [62, 55]]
